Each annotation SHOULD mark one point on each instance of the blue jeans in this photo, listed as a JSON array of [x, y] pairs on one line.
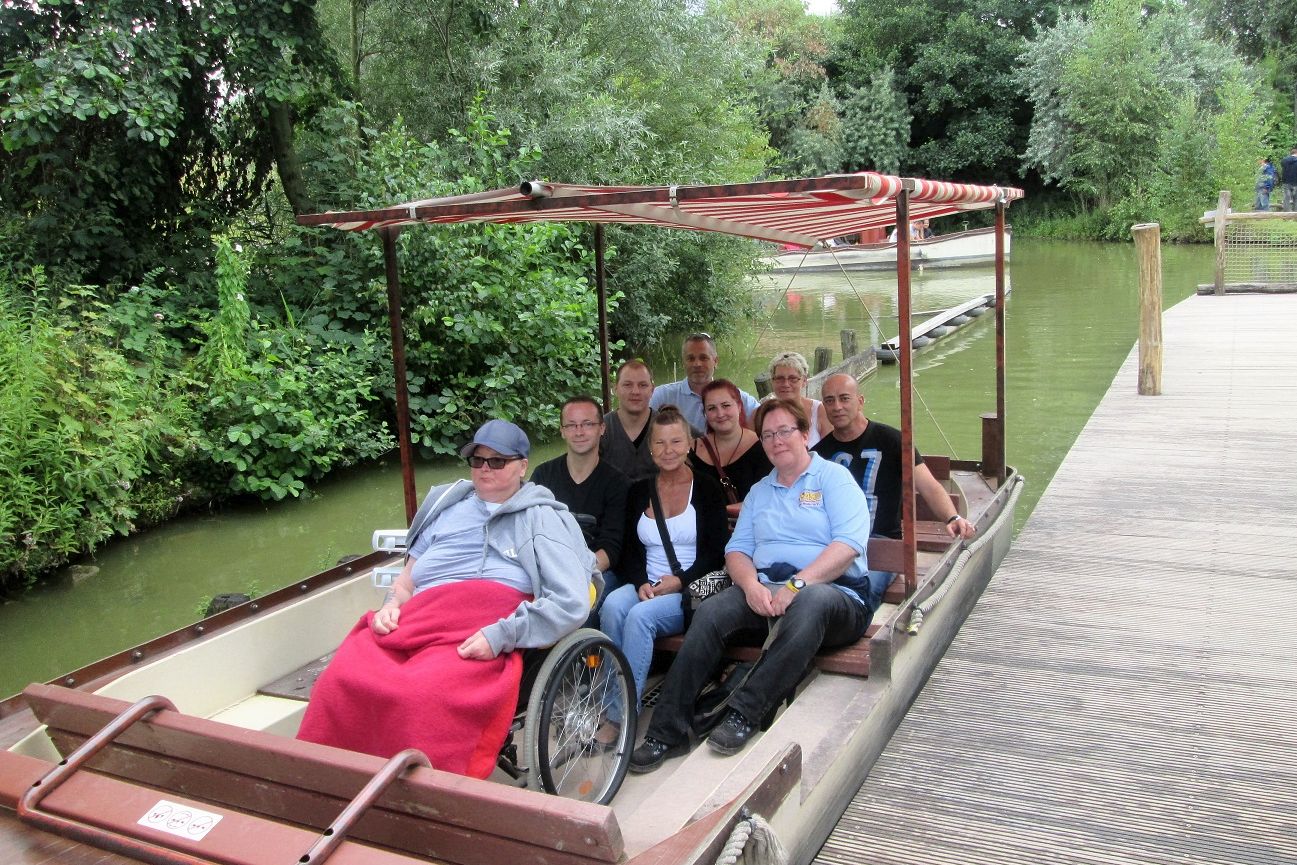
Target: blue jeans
[[610, 584], [822, 616], [1262, 199], [634, 625]]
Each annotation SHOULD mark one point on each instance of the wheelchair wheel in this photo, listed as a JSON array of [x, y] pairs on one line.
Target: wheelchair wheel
[[583, 681]]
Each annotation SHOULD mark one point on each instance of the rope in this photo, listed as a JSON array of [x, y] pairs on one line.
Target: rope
[[765, 847], [930, 603]]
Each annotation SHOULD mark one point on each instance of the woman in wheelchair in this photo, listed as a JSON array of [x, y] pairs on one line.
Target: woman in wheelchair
[[797, 556], [494, 565], [657, 569]]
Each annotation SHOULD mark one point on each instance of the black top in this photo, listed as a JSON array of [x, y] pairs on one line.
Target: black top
[[600, 497], [874, 459], [743, 472], [709, 502], [629, 455]]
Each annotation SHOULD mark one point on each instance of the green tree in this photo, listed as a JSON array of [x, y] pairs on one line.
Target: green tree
[[133, 129]]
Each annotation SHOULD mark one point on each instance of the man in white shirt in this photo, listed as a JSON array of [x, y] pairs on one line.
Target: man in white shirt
[[699, 355]]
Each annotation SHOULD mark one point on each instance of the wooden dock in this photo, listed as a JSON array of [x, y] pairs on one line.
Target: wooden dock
[[1126, 689]]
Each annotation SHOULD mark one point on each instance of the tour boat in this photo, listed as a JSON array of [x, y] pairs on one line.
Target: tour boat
[[958, 249], [181, 750]]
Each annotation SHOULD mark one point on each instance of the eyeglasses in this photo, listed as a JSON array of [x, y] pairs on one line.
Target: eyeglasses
[[585, 425], [782, 433], [699, 334], [786, 379], [496, 463]]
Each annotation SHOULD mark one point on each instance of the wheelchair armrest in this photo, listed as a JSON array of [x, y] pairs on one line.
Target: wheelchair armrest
[[389, 540]]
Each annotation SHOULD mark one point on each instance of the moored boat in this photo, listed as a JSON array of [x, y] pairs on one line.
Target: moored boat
[[215, 775], [958, 249]]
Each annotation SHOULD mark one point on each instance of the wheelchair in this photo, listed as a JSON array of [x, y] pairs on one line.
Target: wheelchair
[[567, 694]]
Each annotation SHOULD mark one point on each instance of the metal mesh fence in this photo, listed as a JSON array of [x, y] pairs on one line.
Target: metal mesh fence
[[1261, 251]]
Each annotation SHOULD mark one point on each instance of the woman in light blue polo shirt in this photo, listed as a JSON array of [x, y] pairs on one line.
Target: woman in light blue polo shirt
[[797, 554]]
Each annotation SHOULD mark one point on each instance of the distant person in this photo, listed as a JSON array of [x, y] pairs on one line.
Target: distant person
[[872, 452], [699, 355], [625, 439], [788, 376], [728, 451], [1265, 182], [593, 490], [658, 570], [925, 230], [494, 565], [1289, 166]]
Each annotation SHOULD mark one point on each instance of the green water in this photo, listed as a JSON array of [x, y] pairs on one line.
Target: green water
[[1071, 317]]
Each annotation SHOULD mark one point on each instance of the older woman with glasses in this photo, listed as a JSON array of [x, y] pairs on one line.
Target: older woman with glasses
[[797, 557], [788, 376], [493, 565]]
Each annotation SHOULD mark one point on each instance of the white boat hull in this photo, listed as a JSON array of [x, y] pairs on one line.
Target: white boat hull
[[949, 250]]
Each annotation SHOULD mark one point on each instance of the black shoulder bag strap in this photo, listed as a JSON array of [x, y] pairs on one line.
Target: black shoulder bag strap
[[662, 529]]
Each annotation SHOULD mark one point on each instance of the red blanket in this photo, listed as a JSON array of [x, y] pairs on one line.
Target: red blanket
[[411, 689]]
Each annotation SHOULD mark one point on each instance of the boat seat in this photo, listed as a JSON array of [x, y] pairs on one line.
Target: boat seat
[[850, 660], [241, 774]]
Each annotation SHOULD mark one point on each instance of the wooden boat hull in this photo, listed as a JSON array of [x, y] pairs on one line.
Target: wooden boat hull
[[962, 249], [799, 774]]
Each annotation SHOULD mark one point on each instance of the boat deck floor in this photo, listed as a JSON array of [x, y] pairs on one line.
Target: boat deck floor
[[1126, 689]]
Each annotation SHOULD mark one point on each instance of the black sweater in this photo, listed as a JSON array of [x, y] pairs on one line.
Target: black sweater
[[709, 502]]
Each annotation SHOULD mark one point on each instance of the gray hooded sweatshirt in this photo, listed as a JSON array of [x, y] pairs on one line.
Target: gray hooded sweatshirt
[[535, 530]]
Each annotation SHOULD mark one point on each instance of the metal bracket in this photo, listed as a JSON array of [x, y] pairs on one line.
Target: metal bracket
[[106, 839], [356, 808]]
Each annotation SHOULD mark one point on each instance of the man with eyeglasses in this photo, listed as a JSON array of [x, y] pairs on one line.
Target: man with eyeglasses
[[592, 488], [871, 451], [494, 565], [699, 356]]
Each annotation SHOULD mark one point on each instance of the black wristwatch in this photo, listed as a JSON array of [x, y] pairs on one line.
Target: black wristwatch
[[796, 584]]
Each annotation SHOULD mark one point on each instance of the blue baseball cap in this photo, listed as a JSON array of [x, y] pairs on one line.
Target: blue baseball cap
[[503, 437]]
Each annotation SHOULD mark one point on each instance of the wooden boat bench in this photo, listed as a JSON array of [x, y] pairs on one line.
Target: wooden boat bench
[[267, 780], [885, 554]]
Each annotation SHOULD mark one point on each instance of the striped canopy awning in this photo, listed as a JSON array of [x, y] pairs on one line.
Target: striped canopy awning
[[796, 212]]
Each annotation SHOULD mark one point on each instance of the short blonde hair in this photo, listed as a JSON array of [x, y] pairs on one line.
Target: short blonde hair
[[793, 359]]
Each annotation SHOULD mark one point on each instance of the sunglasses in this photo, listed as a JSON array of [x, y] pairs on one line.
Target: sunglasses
[[496, 463]]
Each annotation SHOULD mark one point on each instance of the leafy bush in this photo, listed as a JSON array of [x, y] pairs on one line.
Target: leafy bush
[[85, 435]]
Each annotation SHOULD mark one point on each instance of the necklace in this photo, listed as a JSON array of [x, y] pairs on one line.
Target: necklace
[[737, 442]]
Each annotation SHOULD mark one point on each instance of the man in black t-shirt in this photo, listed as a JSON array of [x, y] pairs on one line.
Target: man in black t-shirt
[[872, 452], [592, 488], [1289, 166]]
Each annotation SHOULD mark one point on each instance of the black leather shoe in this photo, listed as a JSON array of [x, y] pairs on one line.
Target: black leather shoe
[[651, 754], [732, 734]]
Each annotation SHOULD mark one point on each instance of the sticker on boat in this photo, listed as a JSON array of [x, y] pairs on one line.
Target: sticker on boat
[[183, 820]]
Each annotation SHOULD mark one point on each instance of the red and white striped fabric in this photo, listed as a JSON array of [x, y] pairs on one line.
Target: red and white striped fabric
[[797, 212]]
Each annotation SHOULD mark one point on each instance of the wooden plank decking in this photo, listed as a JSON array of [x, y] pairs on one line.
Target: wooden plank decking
[[1126, 689]]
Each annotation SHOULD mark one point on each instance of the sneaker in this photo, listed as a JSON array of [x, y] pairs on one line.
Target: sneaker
[[651, 754], [732, 734]]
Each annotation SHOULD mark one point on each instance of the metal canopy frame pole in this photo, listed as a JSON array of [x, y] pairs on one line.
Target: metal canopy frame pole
[[602, 289], [389, 235], [904, 352], [1000, 207]]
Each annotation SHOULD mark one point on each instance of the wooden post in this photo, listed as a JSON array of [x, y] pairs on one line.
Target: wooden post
[[992, 447], [1001, 363], [849, 349], [1148, 245], [763, 385], [1222, 210], [602, 290], [389, 236], [909, 540], [823, 359]]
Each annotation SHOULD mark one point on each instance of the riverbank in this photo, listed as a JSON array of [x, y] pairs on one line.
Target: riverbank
[[1071, 321]]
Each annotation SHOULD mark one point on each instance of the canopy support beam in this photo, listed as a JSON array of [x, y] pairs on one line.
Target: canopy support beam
[[602, 288], [905, 352], [1000, 207], [389, 235]]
